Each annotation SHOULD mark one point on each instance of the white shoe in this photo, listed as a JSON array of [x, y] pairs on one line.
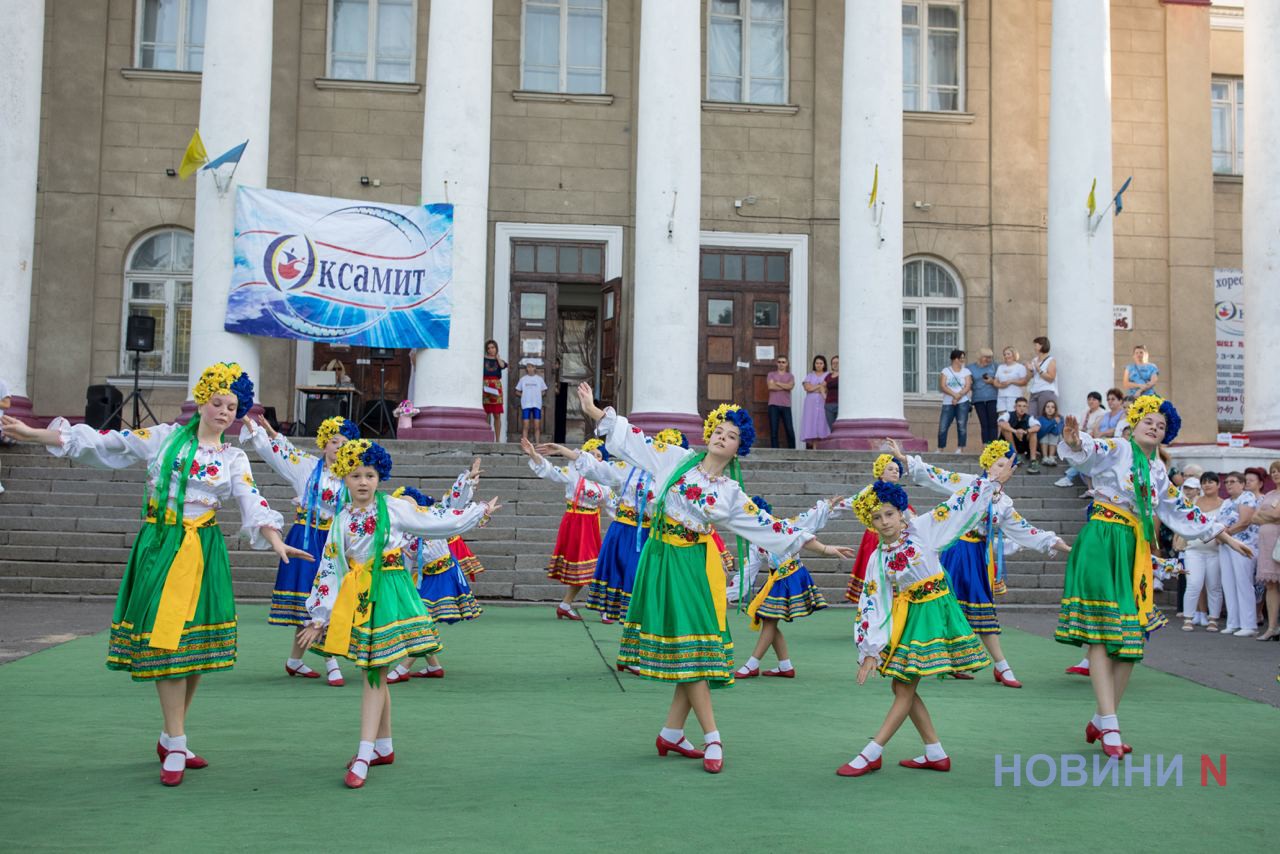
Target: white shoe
[[1230, 631], [1, 487], [1246, 633], [1064, 482]]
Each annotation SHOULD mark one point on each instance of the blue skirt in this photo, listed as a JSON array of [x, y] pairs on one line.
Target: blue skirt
[[966, 566], [610, 589], [294, 579], [791, 597], [447, 596]]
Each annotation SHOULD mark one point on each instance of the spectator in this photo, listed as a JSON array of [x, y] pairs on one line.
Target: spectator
[[1237, 570], [1204, 574], [492, 400], [1019, 429], [1044, 377], [1268, 516], [956, 384], [833, 391], [780, 383], [1050, 433], [1088, 424], [1011, 381], [1140, 377], [531, 387], [1113, 419], [813, 421], [985, 393]]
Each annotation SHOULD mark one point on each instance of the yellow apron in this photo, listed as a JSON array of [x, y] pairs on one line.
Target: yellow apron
[[913, 595], [351, 608], [181, 592], [714, 566], [1143, 573], [775, 575]]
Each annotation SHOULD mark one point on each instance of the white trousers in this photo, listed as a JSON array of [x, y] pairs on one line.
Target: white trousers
[[1237, 588], [1203, 574]]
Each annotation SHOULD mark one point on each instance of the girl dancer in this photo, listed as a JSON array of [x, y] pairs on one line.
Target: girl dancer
[[467, 561], [573, 561], [909, 623], [363, 605], [889, 469], [175, 616], [1106, 595], [675, 629], [318, 495], [788, 593], [975, 563]]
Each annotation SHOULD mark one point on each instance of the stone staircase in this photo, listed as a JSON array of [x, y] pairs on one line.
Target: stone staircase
[[65, 529]]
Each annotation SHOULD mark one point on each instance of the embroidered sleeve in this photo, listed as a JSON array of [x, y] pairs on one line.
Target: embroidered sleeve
[[293, 465], [875, 610], [630, 443], [816, 517], [954, 517], [612, 474], [255, 512], [112, 449], [435, 522], [1181, 515], [730, 507], [324, 590], [757, 559], [1096, 454], [461, 491], [937, 479], [555, 474], [1018, 530]]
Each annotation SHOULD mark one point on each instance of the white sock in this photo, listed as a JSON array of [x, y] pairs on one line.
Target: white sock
[[752, 664], [166, 741], [785, 664], [176, 758], [331, 664], [1001, 666], [365, 752], [934, 752], [1097, 721], [1111, 739], [672, 735], [713, 751], [869, 754], [1084, 662], [432, 668], [382, 746], [401, 669], [295, 663]]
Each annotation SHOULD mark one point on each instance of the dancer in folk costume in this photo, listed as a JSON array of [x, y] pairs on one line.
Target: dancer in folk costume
[[675, 628], [318, 496], [467, 560], [890, 469], [577, 549], [1107, 591], [787, 594], [975, 562], [175, 616], [909, 623], [363, 605]]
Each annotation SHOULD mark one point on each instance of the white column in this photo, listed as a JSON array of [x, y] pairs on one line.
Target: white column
[[21, 65], [1261, 225], [455, 169], [1081, 267], [235, 105], [870, 237], [664, 367]]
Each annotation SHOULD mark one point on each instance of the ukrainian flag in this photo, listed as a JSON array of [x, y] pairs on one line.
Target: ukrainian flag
[[194, 157]]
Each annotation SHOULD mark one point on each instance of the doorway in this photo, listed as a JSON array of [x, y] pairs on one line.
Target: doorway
[[380, 377]]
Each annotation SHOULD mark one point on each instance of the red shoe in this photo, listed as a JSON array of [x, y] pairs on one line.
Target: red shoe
[[1092, 734], [394, 678], [665, 747], [297, 671], [194, 762], [428, 674], [570, 614], [711, 766], [1077, 670], [1118, 751], [943, 764], [1007, 681], [750, 674], [962, 676], [605, 621], [784, 674], [171, 778], [378, 759], [353, 780], [337, 683], [847, 769]]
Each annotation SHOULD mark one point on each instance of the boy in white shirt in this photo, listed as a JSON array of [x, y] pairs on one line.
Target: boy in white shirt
[[531, 387]]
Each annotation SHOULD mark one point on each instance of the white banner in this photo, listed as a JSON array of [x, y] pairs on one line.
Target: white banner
[[1228, 312]]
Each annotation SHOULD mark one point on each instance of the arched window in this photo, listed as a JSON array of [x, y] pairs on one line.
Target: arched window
[[932, 322], [157, 283]]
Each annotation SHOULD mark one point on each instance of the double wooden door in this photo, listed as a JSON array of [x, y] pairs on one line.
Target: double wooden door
[[744, 330]]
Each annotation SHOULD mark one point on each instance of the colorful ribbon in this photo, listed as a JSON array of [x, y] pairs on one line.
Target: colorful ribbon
[[181, 592]]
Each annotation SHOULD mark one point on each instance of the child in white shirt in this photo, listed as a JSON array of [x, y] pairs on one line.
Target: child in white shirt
[[531, 387]]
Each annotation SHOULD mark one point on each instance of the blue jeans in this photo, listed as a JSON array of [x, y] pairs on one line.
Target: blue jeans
[[780, 419], [959, 413]]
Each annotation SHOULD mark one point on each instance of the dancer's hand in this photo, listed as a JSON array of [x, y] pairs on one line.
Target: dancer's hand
[[550, 449], [19, 431], [262, 422], [476, 471], [527, 447], [1235, 545], [895, 448], [1071, 432], [283, 551], [587, 398], [310, 634], [492, 506], [1061, 546], [868, 665]]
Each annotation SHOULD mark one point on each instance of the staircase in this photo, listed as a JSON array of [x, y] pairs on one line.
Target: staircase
[[65, 529]]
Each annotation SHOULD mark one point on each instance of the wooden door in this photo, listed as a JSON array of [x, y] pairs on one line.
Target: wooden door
[[743, 332], [767, 329], [577, 360], [722, 341], [610, 308], [533, 336]]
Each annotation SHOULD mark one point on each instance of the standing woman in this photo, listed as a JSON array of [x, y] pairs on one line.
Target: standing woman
[[1268, 519], [832, 405], [813, 421], [1011, 381], [676, 629], [318, 495], [1107, 592], [1237, 569], [175, 616], [956, 384], [1204, 575], [493, 368]]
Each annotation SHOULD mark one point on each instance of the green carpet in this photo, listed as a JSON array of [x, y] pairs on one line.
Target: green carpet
[[532, 743]]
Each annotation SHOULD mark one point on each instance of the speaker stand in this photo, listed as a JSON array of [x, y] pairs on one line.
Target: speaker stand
[[385, 423], [137, 399]]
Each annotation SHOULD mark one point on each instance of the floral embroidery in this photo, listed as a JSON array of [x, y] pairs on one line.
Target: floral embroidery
[[941, 512], [871, 588], [327, 496]]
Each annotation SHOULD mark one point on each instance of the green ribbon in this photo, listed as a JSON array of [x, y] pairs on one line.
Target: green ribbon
[[179, 447], [380, 536], [1142, 490]]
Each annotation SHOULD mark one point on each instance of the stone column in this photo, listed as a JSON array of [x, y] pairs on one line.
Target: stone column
[[455, 168], [235, 105], [1261, 225], [665, 365], [21, 67], [871, 238], [1081, 266]]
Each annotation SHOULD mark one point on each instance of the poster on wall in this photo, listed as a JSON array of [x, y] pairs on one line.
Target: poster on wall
[[341, 271], [1228, 312]]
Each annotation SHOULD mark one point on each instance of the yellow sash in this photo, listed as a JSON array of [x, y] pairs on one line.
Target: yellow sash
[[787, 568], [1143, 574], [300, 518], [181, 590], [352, 606], [933, 587], [629, 516], [570, 508], [714, 566]]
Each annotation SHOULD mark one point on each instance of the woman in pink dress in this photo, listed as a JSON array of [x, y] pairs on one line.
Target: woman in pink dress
[[1268, 516], [813, 422]]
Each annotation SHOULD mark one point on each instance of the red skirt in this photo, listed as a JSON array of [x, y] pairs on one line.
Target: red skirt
[[467, 561], [577, 546], [866, 548]]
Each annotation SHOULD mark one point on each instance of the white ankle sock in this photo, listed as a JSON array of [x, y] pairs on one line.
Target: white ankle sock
[[1001, 666], [672, 735], [295, 663], [166, 741], [176, 758], [382, 746], [1084, 662], [401, 670], [934, 752], [331, 664], [1097, 721], [365, 752], [1111, 739], [869, 754], [713, 751], [785, 664], [432, 668]]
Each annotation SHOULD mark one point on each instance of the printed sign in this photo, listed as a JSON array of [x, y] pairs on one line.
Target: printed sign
[[1228, 312]]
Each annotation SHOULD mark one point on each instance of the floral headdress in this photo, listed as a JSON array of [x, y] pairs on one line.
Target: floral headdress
[[882, 462], [994, 451], [879, 492], [225, 378], [409, 492], [1152, 403], [734, 414], [595, 443], [335, 425], [362, 452], [670, 436]]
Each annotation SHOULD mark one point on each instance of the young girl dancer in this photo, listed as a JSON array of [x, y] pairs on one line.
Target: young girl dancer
[[318, 495], [675, 629], [975, 562], [573, 561], [363, 605], [890, 469], [1107, 592], [175, 615], [787, 594], [909, 623]]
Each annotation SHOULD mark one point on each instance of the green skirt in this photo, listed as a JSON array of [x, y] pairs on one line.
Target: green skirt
[[1098, 607], [936, 640], [208, 640], [671, 632], [398, 626]]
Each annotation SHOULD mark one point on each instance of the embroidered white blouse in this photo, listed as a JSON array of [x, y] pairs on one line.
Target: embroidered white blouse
[[582, 493], [629, 486], [1229, 514], [697, 500], [432, 549], [812, 520], [219, 473], [296, 467]]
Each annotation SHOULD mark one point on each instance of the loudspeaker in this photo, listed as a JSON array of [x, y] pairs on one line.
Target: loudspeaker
[[381, 354], [101, 401], [320, 408], [140, 333]]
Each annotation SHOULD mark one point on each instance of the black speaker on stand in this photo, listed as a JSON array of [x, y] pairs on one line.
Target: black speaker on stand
[[378, 411], [140, 337]]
